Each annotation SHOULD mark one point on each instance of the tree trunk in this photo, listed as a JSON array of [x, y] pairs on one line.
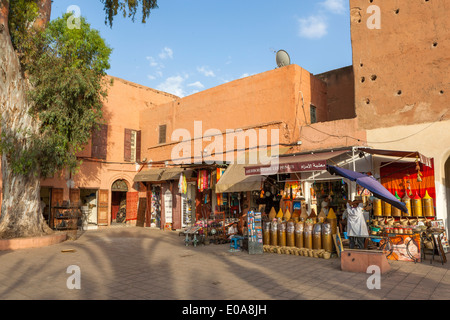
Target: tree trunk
[[21, 212]]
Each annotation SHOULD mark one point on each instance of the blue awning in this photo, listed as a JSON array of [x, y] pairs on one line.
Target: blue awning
[[371, 184]]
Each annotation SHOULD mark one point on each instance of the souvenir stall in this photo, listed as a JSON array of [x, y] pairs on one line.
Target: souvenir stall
[[297, 224], [410, 233], [401, 229], [290, 229], [217, 215]]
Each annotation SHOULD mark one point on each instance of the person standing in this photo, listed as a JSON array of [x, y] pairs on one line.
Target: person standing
[[325, 205], [356, 224]]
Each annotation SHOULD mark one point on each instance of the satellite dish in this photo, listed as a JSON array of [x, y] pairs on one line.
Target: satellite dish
[[283, 59]]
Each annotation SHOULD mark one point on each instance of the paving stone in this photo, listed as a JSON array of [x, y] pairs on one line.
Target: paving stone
[[149, 264]]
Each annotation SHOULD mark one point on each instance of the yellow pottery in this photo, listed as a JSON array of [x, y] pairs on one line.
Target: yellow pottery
[[280, 214], [387, 209], [377, 208], [428, 205], [417, 206], [332, 220], [272, 214], [304, 214], [287, 215], [407, 200]]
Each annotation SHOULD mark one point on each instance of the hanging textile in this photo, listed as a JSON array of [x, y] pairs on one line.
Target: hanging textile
[[182, 184], [404, 177], [203, 180], [219, 173]]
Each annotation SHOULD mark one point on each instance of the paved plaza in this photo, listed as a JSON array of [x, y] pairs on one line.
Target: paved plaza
[[131, 263]]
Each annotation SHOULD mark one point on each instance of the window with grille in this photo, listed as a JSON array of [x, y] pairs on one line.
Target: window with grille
[[313, 112], [162, 134], [132, 145]]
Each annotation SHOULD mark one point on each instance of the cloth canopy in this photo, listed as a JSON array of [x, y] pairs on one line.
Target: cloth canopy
[[400, 154], [161, 174], [294, 163], [235, 180], [370, 183]]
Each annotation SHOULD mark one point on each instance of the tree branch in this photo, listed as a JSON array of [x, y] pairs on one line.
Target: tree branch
[[4, 13], [45, 10]]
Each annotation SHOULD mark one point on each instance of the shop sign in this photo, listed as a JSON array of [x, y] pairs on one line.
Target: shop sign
[[168, 206], [287, 168]]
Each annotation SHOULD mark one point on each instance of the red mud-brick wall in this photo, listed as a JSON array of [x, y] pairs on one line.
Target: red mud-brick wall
[[401, 69]]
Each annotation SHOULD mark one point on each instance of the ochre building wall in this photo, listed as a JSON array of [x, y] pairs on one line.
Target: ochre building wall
[[401, 69]]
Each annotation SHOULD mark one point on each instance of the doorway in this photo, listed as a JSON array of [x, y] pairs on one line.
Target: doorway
[[45, 201], [89, 205], [447, 190], [119, 191]]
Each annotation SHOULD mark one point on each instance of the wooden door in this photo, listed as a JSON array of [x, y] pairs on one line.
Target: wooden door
[[102, 212], [57, 198], [148, 211], [142, 209], [177, 207], [74, 196]]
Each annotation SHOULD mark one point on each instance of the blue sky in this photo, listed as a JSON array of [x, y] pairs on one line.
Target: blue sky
[[188, 46]]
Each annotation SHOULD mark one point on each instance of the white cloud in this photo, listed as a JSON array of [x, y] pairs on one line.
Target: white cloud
[[166, 53], [173, 85], [206, 71], [150, 77], [152, 61], [334, 6], [196, 84], [313, 27]]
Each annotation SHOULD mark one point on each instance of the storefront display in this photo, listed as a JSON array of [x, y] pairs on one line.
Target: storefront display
[[290, 233], [317, 236], [255, 233], [299, 238], [281, 234], [327, 237], [156, 207]]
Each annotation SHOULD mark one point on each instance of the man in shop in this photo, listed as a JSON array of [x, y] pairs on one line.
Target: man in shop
[[356, 224], [325, 205]]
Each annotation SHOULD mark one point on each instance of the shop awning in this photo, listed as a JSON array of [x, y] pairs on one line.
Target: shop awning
[[399, 154], [149, 175], [161, 174], [295, 163], [370, 183], [172, 174], [234, 180]]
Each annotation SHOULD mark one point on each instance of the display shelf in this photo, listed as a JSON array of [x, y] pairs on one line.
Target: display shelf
[[66, 217], [255, 233]]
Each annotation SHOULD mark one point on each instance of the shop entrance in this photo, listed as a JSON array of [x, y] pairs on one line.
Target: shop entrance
[[119, 191], [447, 190], [89, 205], [45, 201]]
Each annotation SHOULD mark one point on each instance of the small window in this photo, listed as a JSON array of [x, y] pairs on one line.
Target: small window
[[313, 113], [162, 133], [133, 145]]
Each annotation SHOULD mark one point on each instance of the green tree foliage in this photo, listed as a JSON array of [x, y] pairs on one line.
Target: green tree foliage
[[66, 69], [128, 8]]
